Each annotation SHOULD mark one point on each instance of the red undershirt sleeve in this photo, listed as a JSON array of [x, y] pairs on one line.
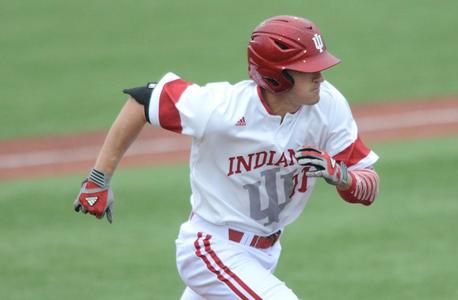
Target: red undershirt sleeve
[[364, 188]]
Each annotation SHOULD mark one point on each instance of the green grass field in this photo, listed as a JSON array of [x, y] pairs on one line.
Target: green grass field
[[402, 247], [67, 62], [63, 66]]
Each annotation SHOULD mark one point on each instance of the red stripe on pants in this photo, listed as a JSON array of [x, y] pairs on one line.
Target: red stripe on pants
[[223, 267]]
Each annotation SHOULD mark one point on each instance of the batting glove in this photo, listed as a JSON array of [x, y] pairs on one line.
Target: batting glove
[[96, 196], [323, 166]]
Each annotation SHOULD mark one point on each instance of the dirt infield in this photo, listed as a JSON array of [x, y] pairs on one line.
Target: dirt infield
[[57, 155]]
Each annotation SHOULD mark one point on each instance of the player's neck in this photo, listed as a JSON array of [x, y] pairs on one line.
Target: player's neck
[[279, 105]]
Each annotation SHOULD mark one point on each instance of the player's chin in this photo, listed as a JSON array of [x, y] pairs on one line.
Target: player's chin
[[313, 99], [316, 99]]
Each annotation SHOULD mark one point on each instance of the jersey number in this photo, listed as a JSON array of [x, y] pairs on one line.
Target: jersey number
[[273, 209]]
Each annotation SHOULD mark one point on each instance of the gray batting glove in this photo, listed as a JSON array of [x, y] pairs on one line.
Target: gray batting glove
[[96, 196], [323, 166]]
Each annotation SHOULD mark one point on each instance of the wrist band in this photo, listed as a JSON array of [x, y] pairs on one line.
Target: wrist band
[[99, 178], [344, 172]]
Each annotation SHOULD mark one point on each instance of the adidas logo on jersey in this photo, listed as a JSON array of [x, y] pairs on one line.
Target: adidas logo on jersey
[[241, 122], [92, 200]]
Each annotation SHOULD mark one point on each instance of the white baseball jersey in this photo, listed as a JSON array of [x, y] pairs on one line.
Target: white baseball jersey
[[243, 171]]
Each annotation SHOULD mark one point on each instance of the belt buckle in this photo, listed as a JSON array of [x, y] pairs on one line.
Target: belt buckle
[[274, 237]]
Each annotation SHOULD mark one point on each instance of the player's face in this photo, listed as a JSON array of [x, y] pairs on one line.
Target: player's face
[[306, 89]]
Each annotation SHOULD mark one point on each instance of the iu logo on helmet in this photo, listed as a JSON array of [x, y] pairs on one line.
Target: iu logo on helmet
[[318, 42]]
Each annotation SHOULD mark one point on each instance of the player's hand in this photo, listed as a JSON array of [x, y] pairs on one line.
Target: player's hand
[[95, 196], [323, 165]]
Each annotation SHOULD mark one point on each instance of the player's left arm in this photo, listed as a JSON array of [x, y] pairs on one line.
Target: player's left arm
[[354, 186]]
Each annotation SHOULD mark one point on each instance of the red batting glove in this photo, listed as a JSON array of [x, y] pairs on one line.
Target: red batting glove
[[323, 166], [96, 196]]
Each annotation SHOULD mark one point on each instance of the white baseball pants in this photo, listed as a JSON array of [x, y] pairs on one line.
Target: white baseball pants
[[213, 267]]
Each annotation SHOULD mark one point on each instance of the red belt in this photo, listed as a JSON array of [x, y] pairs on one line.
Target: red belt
[[260, 242]]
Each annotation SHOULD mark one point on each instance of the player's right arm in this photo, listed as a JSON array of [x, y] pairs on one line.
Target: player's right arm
[[96, 196], [172, 104], [123, 132]]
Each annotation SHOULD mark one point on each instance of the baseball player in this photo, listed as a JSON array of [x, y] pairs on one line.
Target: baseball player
[[258, 147]]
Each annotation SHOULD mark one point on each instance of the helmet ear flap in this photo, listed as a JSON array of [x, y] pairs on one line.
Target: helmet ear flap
[[290, 78], [273, 80]]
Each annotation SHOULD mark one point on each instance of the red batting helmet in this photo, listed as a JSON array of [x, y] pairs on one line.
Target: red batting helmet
[[286, 43]]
